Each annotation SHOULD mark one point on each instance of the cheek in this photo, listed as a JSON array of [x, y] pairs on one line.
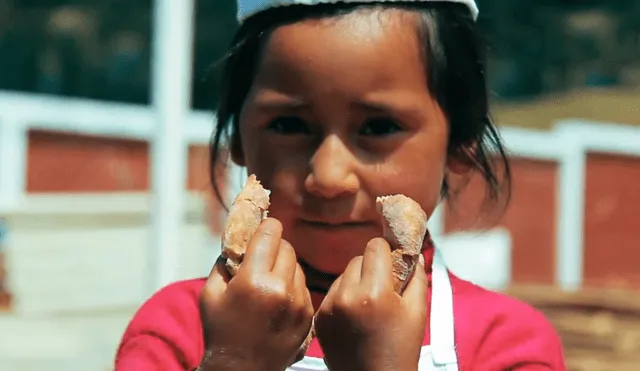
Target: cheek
[[416, 171], [267, 161], [421, 183], [279, 169]]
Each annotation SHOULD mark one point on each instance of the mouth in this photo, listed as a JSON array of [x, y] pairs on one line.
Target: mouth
[[336, 225], [317, 281]]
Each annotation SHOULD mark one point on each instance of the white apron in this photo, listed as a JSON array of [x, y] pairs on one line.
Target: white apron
[[441, 354]]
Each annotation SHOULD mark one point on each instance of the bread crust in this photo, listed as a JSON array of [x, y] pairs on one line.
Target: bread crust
[[245, 215], [404, 226]]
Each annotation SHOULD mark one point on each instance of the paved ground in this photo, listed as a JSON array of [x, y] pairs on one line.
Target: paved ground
[[84, 342]]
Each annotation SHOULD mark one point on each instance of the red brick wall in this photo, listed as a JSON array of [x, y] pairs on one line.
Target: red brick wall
[[612, 249], [612, 222], [530, 218], [5, 296], [72, 163]]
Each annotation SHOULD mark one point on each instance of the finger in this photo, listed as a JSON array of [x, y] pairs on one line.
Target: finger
[[377, 265], [300, 286], [352, 275], [263, 249], [300, 282], [327, 303], [218, 278], [285, 265], [417, 290]]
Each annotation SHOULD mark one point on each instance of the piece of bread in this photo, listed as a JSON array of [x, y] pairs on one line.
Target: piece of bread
[[404, 225], [245, 215]]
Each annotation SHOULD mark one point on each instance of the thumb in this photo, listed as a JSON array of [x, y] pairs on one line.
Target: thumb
[[417, 291]]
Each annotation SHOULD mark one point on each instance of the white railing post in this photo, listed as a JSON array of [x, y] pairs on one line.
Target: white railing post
[[436, 222], [171, 86], [570, 210], [237, 176], [13, 161]]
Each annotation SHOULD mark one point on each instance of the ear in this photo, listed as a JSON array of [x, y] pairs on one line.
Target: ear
[[237, 154], [460, 160]]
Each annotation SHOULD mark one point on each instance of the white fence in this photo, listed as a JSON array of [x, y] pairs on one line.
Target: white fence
[[82, 253], [567, 144], [78, 267]]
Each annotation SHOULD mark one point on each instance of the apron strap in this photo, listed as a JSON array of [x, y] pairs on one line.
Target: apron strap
[[442, 322]]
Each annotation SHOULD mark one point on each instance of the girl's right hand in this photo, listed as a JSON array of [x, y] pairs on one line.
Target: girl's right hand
[[258, 319]]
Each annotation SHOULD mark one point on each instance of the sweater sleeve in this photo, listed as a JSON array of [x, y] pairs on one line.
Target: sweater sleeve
[[520, 339], [166, 332]]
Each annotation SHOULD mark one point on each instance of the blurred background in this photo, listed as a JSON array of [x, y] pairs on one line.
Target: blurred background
[[80, 215]]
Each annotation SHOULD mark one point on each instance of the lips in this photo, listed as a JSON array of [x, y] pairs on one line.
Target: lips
[[335, 224], [317, 281]]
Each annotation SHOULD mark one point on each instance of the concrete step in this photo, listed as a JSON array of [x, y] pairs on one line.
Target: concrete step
[[61, 343]]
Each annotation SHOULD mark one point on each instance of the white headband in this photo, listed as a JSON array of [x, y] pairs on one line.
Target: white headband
[[247, 8]]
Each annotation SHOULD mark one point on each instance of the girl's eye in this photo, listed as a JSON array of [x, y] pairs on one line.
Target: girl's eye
[[289, 126], [379, 127]]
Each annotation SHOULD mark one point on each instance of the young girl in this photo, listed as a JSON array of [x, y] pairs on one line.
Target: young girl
[[332, 105]]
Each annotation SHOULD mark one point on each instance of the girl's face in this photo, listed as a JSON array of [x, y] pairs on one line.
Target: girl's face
[[340, 113]]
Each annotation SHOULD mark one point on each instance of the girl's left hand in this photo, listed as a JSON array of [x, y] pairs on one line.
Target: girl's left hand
[[363, 324]]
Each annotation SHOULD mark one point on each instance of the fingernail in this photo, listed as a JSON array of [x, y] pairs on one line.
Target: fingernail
[[421, 259]]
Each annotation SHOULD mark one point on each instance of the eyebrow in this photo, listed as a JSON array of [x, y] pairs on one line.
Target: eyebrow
[[273, 100], [394, 102], [376, 106]]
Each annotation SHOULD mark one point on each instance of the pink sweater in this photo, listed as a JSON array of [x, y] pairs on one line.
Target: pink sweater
[[493, 332]]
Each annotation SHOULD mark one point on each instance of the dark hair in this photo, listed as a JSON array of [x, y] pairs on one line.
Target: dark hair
[[455, 59]]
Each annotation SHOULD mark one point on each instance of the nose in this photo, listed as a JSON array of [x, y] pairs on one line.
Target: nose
[[332, 168]]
